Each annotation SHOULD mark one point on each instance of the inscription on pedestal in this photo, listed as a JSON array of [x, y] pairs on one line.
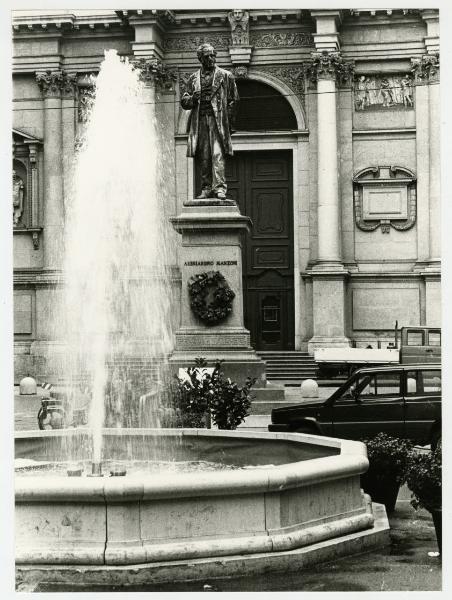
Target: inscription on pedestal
[[209, 263]]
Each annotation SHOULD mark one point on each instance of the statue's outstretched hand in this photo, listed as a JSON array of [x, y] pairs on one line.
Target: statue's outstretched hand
[[196, 96]]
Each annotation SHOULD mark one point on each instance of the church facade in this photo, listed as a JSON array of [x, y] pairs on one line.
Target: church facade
[[336, 161]]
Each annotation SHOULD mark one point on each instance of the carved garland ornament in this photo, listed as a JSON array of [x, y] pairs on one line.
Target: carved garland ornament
[[284, 39], [189, 42], [293, 76], [220, 306], [384, 197]]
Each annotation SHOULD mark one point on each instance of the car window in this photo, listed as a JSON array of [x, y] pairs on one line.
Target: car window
[[434, 338], [372, 386], [379, 385], [423, 382], [414, 338]]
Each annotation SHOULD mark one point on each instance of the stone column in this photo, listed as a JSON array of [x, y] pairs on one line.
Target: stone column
[[51, 83], [426, 72], [329, 314], [68, 116]]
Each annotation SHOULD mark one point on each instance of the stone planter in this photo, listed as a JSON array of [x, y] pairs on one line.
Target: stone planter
[[383, 491]]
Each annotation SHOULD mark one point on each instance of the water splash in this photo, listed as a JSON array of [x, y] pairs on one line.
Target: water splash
[[117, 298]]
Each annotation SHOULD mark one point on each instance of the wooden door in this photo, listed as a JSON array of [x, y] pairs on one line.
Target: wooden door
[[261, 183]]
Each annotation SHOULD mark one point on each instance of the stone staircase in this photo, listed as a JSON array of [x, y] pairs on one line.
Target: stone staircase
[[285, 371], [289, 368]]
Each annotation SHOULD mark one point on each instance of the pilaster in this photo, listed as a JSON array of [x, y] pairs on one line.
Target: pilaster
[[426, 74], [51, 84], [328, 70], [68, 121]]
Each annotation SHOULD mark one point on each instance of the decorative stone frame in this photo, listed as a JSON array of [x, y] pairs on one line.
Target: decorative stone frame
[[26, 150], [395, 183]]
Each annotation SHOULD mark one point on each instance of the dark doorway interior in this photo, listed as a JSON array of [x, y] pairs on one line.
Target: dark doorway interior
[[262, 108]]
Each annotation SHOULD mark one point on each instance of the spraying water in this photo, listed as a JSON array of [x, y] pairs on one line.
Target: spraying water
[[118, 288]]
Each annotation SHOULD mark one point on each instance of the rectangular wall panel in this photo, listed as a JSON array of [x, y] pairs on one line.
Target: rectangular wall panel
[[380, 308]]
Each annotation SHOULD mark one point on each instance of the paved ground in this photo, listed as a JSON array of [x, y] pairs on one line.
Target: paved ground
[[403, 566]]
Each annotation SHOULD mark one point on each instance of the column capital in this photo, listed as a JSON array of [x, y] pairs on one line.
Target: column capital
[[426, 68], [153, 71], [54, 84], [331, 66]]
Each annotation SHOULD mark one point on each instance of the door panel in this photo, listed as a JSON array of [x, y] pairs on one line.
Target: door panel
[[377, 405], [261, 183]]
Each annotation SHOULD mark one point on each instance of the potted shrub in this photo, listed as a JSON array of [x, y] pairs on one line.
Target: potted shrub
[[424, 481], [206, 396], [388, 463]]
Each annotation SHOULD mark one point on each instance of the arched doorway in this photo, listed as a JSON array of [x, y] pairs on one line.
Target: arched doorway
[[261, 183]]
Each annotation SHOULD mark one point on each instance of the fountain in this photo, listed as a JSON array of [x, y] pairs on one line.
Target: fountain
[[119, 500]]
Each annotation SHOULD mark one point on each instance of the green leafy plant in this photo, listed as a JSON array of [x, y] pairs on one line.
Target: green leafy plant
[[229, 403], [205, 395], [389, 457], [424, 479]]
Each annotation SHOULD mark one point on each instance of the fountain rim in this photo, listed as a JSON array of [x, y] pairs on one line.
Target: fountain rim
[[352, 460]]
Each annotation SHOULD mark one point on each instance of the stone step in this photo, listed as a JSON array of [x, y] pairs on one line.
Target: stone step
[[268, 393], [265, 407], [295, 375], [292, 361], [290, 369], [256, 422]]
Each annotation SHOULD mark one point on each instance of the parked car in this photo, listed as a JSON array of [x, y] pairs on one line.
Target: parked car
[[401, 400]]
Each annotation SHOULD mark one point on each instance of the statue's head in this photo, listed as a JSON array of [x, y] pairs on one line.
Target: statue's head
[[238, 14], [207, 55]]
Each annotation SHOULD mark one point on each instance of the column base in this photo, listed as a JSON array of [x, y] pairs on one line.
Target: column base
[[329, 310]]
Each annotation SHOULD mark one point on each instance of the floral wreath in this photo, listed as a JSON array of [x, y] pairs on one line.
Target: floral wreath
[[221, 305]]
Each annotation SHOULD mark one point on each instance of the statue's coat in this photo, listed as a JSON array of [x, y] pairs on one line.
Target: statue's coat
[[224, 100]]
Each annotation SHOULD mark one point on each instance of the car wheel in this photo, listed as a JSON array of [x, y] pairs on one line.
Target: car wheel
[[436, 440]]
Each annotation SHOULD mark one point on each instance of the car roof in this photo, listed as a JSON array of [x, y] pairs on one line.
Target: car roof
[[407, 367]]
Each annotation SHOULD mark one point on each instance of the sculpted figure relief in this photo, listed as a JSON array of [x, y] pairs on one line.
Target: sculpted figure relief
[[238, 20], [212, 98], [380, 92], [18, 198]]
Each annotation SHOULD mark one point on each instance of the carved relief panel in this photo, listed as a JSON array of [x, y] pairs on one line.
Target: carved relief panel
[[380, 92], [385, 197]]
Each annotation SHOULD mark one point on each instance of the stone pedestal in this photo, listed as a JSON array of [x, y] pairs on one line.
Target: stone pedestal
[[211, 241]]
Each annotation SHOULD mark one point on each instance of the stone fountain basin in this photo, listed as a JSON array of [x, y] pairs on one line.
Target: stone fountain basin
[[297, 490]]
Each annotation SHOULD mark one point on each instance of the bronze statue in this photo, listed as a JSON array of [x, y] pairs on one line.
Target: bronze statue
[[212, 98]]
